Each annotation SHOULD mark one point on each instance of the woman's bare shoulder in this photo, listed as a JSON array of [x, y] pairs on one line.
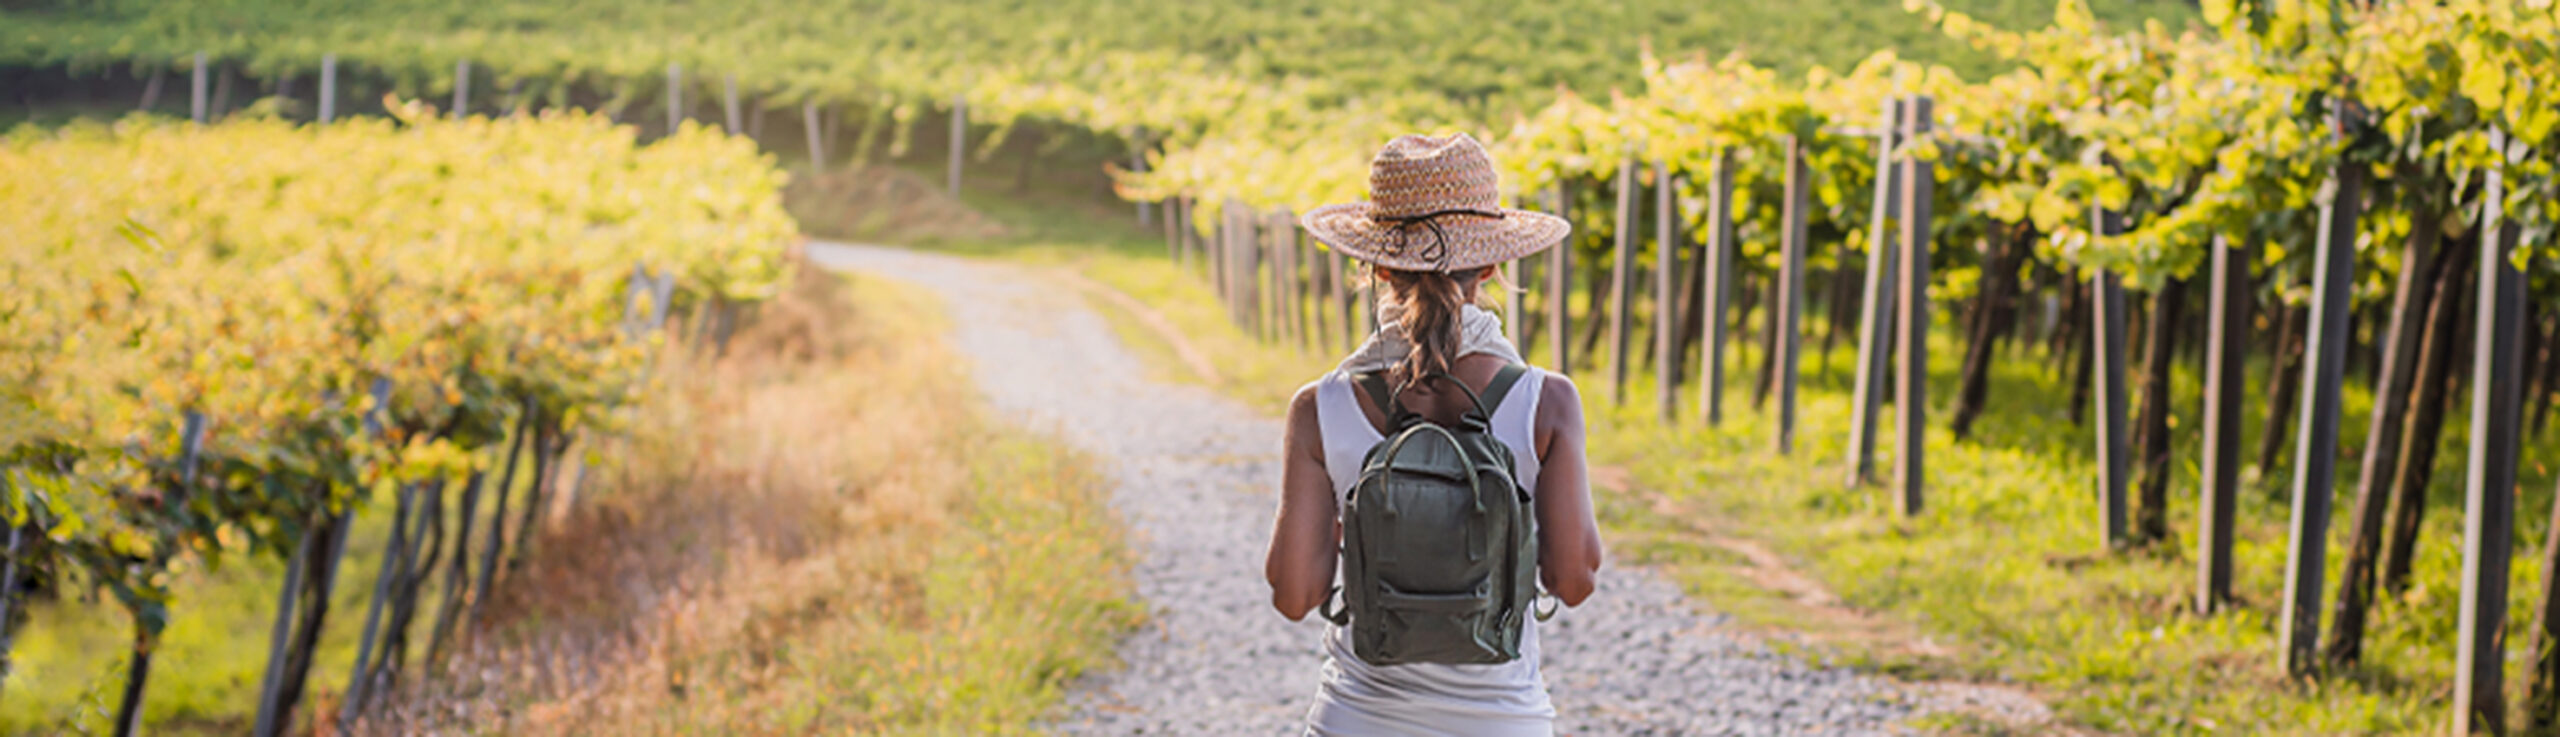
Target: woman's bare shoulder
[[1559, 405], [1557, 393], [1304, 402], [1303, 428]]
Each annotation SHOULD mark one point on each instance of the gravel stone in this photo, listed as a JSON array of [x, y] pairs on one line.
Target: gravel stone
[[1196, 477]]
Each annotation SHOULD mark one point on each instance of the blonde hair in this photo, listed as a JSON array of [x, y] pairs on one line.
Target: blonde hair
[[1428, 304]]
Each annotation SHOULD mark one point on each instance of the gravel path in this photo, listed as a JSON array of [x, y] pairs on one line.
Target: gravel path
[[1196, 475]]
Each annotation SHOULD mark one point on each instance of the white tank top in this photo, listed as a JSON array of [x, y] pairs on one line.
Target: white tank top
[[1359, 699]]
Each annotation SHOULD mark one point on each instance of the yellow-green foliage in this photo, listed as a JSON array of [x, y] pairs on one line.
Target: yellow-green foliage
[[260, 273], [2005, 566], [836, 537]]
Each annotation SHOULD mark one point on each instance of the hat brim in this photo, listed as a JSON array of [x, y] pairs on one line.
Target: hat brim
[[1471, 241]]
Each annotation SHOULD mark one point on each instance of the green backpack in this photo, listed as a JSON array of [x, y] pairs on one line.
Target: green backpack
[[1439, 547]]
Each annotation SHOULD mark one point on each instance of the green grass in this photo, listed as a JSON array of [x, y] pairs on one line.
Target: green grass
[[2004, 569], [2006, 560], [68, 662]]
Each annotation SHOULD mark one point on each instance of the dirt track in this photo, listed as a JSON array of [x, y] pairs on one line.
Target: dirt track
[[1196, 475]]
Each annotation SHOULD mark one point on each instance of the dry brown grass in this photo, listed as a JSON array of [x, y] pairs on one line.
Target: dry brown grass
[[883, 204], [817, 532]]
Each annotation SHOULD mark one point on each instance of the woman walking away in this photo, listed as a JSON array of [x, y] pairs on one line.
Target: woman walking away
[[1441, 477]]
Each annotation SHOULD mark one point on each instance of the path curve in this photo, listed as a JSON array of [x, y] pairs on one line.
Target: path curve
[[1195, 475]]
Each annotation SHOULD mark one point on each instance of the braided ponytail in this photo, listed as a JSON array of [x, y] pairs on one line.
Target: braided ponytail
[[1428, 303]]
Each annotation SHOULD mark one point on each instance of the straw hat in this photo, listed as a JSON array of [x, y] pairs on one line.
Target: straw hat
[[1435, 204]]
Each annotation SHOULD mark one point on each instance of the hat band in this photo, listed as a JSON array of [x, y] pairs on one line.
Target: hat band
[[1438, 252]]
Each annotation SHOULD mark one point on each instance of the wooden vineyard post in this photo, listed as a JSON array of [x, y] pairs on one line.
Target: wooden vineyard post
[[1138, 163], [1284, 278], [1718, 283], [196, 91], [1239, 286], [1216, 251], [1224, 259], [1560, 286], [1875, 316], [1319, 297], [1293, 288], [1514, 307], [2316, 450], [1321, 288], [959, 141], [151, 88], [1195, 248], [2489, 489], [1266, 276], [1353, 329], [328, 88], [1266, 303], [1514, 300], [2107, 295], [1368, 301], [675, 97], [1250, 257], [461, 89], [817, 142], [1299, 285], [2368, 523], [1621, 263], [729, 105], [2226, 376], [1911, 381], [1666, 317], [1789, 310], [1173, 232], [1216, 262]]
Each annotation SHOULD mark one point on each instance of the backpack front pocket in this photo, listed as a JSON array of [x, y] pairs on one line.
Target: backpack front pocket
[[1435, 628]]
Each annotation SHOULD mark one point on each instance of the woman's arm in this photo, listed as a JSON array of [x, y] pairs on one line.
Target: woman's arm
[[1568, 537], [1306, 537]]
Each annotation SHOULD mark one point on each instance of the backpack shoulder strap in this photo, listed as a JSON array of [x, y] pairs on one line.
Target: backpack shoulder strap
[[1500, 387]]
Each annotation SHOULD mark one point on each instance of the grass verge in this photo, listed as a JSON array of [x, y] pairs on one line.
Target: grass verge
[[2002, 579], [820, 532]]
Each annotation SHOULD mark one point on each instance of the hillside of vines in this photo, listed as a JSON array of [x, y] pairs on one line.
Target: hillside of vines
[[1168, 69], [2330, 223], [221, 341], [2111, 195]]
